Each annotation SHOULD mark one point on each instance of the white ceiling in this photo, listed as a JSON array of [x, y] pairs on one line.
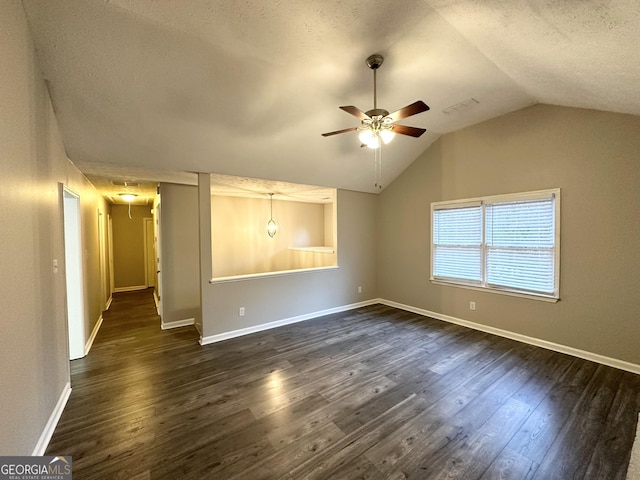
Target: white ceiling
[[245, 88]]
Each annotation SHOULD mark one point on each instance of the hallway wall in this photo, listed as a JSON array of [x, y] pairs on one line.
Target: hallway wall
[[33, 345], [179, 252]]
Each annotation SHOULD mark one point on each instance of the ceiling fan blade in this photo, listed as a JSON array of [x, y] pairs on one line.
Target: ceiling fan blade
[[416, 107], [339, 131], [356, 112], [411, 131]]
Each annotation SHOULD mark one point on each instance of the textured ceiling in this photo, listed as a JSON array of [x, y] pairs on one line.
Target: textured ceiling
[[232, 186], [245, 88]]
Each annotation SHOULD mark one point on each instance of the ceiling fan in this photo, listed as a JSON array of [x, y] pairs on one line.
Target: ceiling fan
[[378, 125]]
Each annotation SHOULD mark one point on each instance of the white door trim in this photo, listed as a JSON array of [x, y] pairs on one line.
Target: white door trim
[[74, 272]]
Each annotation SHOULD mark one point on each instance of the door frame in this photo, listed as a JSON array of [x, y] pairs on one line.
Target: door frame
[[157, 292], [110, 249], [104, 297], [149, 255], [73, 272]]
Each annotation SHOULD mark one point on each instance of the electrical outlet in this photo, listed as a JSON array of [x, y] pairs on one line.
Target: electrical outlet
[[241, 312], [472, 305], [359, 289]]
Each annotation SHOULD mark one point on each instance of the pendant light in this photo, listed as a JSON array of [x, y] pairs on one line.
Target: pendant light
[[272, 226]]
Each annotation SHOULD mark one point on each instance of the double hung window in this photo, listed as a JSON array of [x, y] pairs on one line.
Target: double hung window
[[504, 243]]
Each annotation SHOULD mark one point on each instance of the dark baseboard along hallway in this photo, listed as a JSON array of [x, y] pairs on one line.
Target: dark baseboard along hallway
[[373, 393]]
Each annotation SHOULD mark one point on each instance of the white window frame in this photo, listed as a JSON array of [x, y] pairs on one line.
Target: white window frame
[[483, 201]]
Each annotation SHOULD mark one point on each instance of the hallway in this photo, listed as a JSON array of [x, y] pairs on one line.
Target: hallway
[[116, 415]]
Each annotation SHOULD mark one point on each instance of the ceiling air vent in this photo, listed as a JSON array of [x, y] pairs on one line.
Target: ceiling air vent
[[116, 183], [462, 106]]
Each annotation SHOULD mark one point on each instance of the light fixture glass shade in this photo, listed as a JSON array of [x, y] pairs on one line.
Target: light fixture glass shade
[[386, 135], [272, 228], [128, 197], [365, 136], [375, 141]]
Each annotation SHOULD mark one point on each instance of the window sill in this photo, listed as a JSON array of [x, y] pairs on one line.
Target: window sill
[[531, 296]]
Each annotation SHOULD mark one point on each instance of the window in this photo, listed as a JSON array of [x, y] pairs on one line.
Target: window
[[504, 243]]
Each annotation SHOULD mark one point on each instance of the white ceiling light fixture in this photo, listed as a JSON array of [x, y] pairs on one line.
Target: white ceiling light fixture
[[128, 197], [272, 226]]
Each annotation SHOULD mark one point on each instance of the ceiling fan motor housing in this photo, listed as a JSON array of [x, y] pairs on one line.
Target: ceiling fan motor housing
[[377, 112], [374, 61]]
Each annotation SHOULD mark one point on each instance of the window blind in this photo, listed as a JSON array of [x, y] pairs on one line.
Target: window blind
[[457, 243], [520, 242]]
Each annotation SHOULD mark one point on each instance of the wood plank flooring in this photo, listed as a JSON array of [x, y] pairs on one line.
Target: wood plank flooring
[[373, 393]]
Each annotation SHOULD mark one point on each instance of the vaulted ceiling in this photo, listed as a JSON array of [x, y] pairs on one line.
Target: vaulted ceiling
[[246, 87]]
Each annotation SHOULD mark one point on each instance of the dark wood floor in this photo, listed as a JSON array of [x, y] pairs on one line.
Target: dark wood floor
[[373, 393]]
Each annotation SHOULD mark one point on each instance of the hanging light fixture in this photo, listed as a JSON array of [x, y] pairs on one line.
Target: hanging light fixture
[[272, 226]]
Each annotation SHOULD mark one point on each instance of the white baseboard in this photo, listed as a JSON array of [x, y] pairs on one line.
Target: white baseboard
[[130, 289], [87, 346], [279, 323], [177, 323], [594, 357], [106, 307], [47, 433]]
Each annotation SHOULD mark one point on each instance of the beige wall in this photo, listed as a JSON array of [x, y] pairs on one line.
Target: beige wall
[[285, 296], [180, 247], [128, 245], [241, 245], [95, 212], [593, 157], [33, 344]]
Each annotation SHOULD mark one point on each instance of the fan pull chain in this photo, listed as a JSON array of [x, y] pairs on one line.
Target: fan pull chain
[[377, 168]]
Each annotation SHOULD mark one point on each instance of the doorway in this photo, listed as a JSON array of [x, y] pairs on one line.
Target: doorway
[[149, 253], [158, 260], [103, 265], [73, 273], [112, 282]]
